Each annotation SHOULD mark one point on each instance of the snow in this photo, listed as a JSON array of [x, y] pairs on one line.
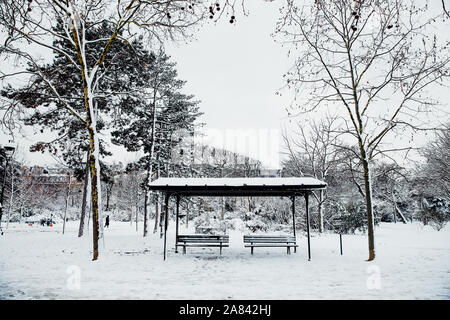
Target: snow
[[413, 262], [237, 182]]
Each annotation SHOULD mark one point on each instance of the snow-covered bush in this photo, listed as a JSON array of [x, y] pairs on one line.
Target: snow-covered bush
[[349, 217], [255, 221], [234, 224], [210, 220], [118, 215], [385, 210], [201, 220], [435, 212], [256, 225]]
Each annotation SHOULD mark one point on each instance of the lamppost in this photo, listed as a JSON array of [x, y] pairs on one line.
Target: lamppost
[[6, 152]]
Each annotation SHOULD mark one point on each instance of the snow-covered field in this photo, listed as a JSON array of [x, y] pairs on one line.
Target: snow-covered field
[[413, 262]]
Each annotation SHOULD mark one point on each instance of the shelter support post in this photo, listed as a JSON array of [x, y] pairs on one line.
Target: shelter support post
[[166, 217], [176, 225], [293, 219], [187, 213], [307, 224]]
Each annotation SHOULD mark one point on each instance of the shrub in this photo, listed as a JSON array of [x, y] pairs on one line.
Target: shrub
[[435, 212]]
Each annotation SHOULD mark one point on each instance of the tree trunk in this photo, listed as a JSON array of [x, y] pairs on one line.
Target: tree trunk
[[137, 215], [94, 144], [3, 191], [399, 212], [145, 213], [369, 207], [67, 201], [162, 218], [85, 191], [108, 194], [95, 187], [12, 192], [148, 179], [155, 229], [222, 213], [320, 211]]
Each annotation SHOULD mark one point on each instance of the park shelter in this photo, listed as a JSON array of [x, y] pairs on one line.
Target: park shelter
[[236, 187]]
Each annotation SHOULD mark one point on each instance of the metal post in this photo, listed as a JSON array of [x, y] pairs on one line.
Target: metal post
[[307, 225], [293, 218], [3, 190], [176, 225], [187, 212], [340, 241], [293, 213], [166, 214]]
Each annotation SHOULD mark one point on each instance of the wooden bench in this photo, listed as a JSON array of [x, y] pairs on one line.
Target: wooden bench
[[252, 241], [202, 240]]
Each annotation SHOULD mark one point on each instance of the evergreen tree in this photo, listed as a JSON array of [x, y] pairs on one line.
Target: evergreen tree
[[117, 83], [149, 121]]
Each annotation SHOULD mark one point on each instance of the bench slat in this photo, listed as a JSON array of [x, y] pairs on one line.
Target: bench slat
[[201, 245], [202, 240], [268, 237], [202, 235], [270, 240], [270, 245], [198, 242], [215, 238]]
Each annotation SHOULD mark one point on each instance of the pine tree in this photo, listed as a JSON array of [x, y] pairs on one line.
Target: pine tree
[[149, 121]]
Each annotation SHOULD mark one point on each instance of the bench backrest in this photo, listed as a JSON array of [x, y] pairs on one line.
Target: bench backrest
[[269, 239], [203, 238]]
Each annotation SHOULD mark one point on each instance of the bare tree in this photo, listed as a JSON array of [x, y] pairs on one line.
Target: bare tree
[[374, 59], [86, 195], [447, 13], [437, 166], [390, 184], [312, 150], [30, 24]]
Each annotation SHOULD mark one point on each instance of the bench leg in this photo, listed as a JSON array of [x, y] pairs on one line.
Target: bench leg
[[251, 250], [288, 250], [295, 249], [184, 249], [176, 249], [220, 249]]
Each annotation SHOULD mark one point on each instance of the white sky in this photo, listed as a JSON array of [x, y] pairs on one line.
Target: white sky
[[235, 70]]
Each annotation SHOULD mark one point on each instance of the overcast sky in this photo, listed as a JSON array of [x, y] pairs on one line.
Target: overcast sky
[[235, 70]]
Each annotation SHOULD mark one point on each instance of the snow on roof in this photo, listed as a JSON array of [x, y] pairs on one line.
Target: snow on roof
[[238, 182]]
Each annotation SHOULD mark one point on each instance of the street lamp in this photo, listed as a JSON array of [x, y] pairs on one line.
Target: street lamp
[[6, 152]]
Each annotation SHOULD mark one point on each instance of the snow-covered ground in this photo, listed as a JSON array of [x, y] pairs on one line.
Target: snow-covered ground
[[413, 262]]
